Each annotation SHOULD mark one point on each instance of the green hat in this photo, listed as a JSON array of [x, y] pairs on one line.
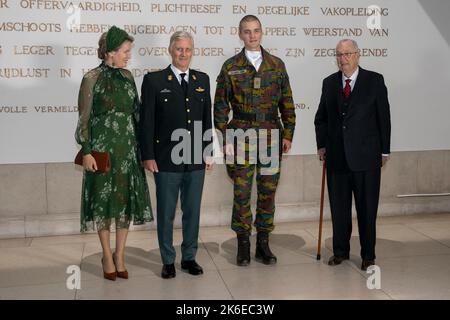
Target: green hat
[[115, 37]]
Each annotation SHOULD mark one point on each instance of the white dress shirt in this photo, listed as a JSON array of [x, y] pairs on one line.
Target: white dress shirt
[[177, 73], [255, 58], [352, 77]]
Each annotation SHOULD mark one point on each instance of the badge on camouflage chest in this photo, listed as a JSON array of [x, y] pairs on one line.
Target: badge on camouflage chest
[[257, 83], [236, 72]]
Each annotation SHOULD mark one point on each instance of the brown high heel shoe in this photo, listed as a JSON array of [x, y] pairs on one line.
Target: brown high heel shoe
[[120, 274], [109, 275]]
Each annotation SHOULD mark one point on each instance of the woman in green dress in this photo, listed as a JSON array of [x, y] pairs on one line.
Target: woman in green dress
[[108, 108]]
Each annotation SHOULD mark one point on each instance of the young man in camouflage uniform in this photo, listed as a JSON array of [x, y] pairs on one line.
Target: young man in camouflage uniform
[[255, 85]]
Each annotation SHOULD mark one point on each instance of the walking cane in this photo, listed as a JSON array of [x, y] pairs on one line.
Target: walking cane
[[321, 210]]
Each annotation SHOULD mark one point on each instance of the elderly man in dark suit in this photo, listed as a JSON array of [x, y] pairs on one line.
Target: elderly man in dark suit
[[353, 131], [176, 105]]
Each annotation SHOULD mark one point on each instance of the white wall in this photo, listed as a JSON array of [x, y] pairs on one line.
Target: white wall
[[416, 68]]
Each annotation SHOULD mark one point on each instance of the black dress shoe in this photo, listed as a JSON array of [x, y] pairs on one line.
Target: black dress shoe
[[263, 252], [168, 271], [367, 263], [336, 260], [192, 267]]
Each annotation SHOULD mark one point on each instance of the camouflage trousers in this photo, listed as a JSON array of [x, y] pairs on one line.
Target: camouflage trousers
[[242, 176]]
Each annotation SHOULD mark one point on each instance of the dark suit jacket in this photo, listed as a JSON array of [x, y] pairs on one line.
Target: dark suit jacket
[[165, 109], [357, 130]]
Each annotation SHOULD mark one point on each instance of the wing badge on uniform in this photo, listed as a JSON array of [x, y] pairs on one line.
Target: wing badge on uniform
[[200, 89]]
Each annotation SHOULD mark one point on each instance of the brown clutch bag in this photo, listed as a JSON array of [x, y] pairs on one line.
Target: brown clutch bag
[[101, 158]]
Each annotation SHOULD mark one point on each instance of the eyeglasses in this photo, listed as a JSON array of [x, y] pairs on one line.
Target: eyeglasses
[[346, 54]]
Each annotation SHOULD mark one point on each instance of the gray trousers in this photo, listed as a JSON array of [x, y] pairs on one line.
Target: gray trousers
[[189, 185]]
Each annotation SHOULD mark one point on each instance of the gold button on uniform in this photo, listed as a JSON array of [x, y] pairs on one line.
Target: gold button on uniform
[[189, 121], [188, 110], [187, 99], [165, 100]]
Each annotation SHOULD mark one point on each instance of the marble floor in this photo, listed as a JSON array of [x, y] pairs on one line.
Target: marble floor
[[413, 254]]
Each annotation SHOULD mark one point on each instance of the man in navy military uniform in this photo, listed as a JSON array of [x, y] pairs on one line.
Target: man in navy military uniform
[[176, 103]]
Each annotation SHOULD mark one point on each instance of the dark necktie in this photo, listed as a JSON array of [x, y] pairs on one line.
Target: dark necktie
[[347, 88], [184, 84]]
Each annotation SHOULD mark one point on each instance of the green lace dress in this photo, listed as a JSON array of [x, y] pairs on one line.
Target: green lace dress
[[108, 107]]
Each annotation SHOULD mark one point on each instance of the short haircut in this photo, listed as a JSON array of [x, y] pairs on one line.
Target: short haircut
[[354, 43], [179, 35], [248, 18]]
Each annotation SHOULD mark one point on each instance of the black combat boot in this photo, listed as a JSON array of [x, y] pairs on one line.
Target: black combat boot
[[243, 254], [263, 252]]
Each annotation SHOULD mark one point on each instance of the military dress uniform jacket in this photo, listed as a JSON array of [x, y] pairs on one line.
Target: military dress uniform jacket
[[165, 109], [264, 92]]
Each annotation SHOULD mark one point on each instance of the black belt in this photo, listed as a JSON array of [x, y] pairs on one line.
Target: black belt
[[258, 117]]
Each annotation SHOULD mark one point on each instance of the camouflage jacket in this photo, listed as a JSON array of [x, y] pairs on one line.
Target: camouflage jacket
[[236, 90]]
